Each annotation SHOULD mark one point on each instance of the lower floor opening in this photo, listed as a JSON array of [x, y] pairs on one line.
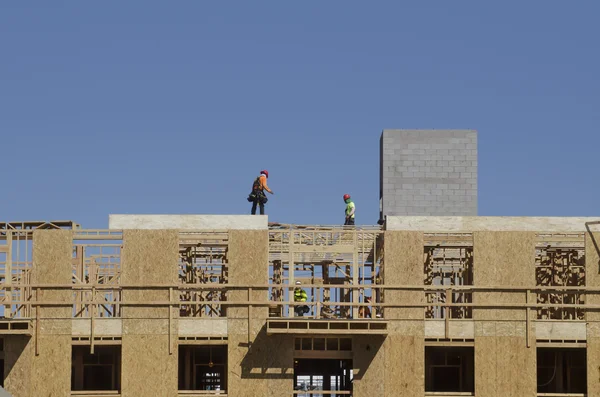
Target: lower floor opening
[[561, 370], [314, 375], [98, 371], [449, 369], [202, 367]]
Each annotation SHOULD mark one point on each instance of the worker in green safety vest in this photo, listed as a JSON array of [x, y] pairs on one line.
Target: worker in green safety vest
[[300, 296]]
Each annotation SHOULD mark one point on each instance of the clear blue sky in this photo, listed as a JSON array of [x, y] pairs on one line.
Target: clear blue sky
[[173, 107]]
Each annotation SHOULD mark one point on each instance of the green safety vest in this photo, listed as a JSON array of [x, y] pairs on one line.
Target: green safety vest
[[349, 208], [300, 295]]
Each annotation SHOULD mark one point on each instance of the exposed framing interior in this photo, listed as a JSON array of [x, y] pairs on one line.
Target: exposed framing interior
[[97, 262], [203, 263], [330, 262], [448, 261], [16, 264], [560, 262]]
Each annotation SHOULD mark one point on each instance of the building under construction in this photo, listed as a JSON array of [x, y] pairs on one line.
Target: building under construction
[[203, 305]]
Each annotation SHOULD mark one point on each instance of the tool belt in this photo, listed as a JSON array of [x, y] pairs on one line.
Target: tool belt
[[257, 195]]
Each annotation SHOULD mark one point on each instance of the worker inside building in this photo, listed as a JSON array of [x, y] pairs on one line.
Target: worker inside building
[[300, 296]]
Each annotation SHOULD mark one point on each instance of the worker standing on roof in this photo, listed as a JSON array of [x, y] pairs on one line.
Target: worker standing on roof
[[258, 196], [350, 210]]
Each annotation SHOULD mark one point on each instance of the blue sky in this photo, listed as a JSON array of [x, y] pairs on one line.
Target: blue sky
[[173, 107]]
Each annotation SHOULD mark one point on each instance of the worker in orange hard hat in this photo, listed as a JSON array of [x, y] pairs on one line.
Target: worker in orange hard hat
[[258, 197], [350, 210]]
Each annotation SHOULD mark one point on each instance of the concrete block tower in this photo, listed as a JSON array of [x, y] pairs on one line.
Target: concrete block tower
[[428, 172]]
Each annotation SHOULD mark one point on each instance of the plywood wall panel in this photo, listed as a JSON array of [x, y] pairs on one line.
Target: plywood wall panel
[[593, 365], [51, 368], [149, 257], [504, 367], [18, 357], [405, 366], [502, 259], [253, 369], [248, 265], [147, 367], [52, 253], [592, 263], [592, 275], [281, 365], [403, 265], [369, 365]]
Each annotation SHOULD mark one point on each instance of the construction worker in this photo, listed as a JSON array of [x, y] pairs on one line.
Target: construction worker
[[364, 311], [350, 210], [300, 296], [258, 196]]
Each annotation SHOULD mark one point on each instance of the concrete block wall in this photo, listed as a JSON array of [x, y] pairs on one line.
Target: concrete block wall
[[428, 172]]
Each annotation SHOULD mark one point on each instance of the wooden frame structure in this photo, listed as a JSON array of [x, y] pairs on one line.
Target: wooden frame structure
[[448, 261], [203, 263], [254, 312], [560, 262], [333, 261]]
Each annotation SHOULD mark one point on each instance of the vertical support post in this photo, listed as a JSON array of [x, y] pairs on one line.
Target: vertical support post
[[170, 320], [8, 274], [291, 267], [447, 316], [355, 279], [318, 300], [249, 314], [92, 317], [37, 321], [528, 319], [80, 266]]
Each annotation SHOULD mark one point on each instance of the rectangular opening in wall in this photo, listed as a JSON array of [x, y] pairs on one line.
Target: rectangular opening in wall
[[560, 264], [202, 367], [561, 370], [449, 369], [203, 262], [448, 262], [98, 371], [317, 375]]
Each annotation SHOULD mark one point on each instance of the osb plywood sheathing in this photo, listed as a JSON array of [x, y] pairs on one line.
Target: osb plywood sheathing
[[592, 255], [502, 259], [505, 364], [149, 344], [52, 252], [403, 266]]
